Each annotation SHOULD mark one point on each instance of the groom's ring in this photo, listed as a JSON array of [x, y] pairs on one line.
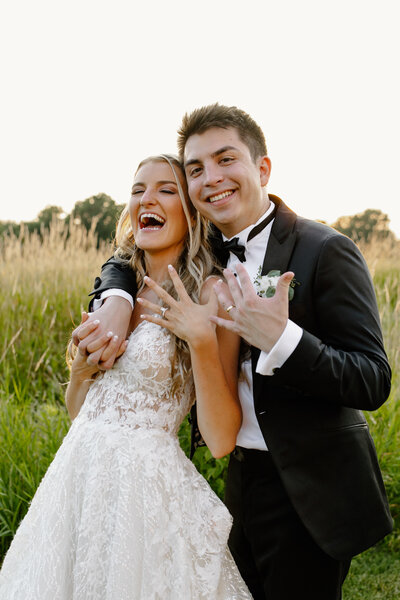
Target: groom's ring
[[163, 311], [230, 307]]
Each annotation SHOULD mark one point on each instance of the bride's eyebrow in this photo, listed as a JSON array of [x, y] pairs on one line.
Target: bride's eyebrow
[[162, 182]]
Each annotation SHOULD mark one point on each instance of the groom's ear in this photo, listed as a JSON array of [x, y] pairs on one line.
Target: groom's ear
[[265, 169]]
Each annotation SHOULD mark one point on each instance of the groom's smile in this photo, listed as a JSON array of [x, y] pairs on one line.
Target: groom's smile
[[221, 196]]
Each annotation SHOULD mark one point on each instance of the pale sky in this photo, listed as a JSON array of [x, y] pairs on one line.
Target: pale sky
[[89, 88]]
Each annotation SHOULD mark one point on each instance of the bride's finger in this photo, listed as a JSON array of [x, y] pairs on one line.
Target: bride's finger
[[157, 321], [150, 305], [161, 293], [178, 285]]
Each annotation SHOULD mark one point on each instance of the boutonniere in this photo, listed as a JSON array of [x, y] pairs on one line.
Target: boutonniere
[[266, 284]]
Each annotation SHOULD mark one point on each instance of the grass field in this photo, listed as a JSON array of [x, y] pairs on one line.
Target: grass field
[[43, 289]]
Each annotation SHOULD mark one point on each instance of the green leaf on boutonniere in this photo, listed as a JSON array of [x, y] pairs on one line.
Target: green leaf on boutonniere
[[266, 284], [272, 274]]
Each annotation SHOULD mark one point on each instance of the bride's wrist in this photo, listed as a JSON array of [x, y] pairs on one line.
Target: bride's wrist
[[204, 339]]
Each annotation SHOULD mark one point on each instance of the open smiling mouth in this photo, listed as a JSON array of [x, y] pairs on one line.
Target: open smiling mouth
[[151, 221], [220, 196]]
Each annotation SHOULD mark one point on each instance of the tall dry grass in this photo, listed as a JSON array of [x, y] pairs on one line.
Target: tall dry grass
[[44, 284]]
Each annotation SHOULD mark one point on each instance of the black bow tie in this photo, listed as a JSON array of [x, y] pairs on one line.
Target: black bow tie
[[223, 248], [234, 247]]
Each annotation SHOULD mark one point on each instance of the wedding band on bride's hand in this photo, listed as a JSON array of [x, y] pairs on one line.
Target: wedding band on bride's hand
[[163, 311], [230, 308]]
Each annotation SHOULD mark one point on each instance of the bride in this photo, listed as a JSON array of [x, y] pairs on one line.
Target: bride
[[121, 513]]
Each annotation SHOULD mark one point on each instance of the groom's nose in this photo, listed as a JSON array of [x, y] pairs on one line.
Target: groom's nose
[[212, 174]]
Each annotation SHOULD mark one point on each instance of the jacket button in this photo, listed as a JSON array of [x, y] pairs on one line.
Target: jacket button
[[97, 283], [275, 370]]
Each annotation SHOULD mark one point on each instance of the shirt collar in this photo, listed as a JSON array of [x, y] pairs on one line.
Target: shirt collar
[[244, 234]]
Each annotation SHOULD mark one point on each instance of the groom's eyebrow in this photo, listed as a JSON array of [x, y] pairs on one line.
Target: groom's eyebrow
[[193, 161]]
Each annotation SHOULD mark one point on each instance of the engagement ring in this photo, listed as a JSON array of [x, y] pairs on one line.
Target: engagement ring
[[230, 308], [163, 311]]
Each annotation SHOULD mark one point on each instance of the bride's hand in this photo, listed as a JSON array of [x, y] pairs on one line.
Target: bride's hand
[[186, 319]]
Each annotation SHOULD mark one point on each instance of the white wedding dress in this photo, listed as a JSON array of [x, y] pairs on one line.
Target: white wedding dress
[[121, 513]]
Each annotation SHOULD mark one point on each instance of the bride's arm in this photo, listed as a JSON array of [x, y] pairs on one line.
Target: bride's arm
[[215, 360], [214, 356], [75, 395], [82, 367], [80, 381]]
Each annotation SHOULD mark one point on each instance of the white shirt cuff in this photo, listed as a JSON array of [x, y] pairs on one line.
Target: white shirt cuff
[[97, 302], [278, 355]]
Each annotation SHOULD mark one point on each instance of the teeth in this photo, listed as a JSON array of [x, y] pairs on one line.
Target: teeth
[[220, 196], [146, 216]]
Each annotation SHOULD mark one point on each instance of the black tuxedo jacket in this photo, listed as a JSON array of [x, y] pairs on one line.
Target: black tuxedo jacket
[[309, 411]]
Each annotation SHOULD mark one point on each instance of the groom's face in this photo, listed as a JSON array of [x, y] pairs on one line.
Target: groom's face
[[224, 182]]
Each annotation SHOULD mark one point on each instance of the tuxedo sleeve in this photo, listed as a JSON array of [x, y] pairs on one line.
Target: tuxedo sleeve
[[341, 358], [115, 274]]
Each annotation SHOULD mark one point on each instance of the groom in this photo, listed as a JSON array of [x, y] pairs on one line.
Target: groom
[[304, 485]]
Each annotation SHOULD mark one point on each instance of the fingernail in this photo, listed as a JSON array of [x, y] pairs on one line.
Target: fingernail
[[115, 338], [145, 278], [142, 316], [109, 334], [140, 300], [170, 267], [96, 322]]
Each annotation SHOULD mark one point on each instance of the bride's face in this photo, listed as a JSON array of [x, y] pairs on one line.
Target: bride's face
[[158, 221]]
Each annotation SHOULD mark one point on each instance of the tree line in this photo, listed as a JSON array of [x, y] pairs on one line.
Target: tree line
[[100, 209], [104, 211]]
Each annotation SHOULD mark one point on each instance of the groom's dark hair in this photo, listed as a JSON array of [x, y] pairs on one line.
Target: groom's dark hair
[[217, 115]]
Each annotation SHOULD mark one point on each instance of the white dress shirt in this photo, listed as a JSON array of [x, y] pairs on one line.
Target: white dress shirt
[[250, 435]]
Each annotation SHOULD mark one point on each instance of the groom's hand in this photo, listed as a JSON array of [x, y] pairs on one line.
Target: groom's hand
[[259, 321], [104, 342]]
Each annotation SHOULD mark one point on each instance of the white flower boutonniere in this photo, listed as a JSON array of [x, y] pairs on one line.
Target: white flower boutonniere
[[266, 284]]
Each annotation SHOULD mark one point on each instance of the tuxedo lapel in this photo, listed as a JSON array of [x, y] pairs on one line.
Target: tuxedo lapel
[[281, 240], [278, 253]]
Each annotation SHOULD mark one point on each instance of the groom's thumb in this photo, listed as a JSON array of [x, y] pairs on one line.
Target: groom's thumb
[[282, 288]]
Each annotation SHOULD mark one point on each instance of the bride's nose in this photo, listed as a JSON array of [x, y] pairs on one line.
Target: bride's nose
[[147, 198]]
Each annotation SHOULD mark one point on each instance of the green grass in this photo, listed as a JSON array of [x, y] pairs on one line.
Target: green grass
[[374, 575], [43, 287], [30, 435]]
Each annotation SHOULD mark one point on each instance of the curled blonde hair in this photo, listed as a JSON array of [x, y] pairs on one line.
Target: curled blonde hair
[[194, 264]]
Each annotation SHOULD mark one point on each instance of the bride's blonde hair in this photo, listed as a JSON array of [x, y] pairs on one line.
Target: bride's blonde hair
[[194, 264]]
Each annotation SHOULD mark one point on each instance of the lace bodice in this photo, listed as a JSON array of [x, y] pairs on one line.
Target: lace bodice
[[137, 391]]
